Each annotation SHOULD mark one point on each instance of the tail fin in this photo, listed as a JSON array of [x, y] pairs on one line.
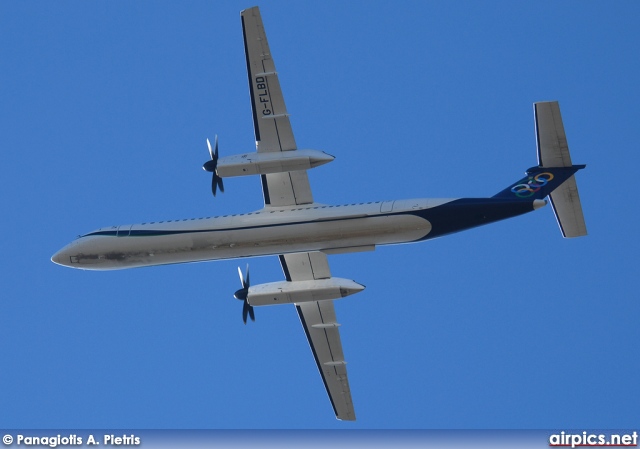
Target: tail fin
[[539, 182], [554, 175]]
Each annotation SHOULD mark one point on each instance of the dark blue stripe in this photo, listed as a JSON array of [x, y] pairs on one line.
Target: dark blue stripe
[[253, 106], [285, 268], [535, 114], [265, 190], [153, 233], [455, 216]]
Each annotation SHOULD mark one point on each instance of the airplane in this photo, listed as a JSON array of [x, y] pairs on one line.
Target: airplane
[[302, 232]]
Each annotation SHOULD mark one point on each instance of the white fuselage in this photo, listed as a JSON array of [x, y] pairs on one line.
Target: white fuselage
[[269, 231]]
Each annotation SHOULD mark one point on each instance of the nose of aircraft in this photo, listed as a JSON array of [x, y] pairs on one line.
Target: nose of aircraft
[[61, 257]]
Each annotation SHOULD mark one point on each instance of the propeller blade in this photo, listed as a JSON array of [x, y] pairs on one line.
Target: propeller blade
[[220, 184], [243, 293], [241, 277], [214, 184], [210, 150], [212, 165], [247, 309]]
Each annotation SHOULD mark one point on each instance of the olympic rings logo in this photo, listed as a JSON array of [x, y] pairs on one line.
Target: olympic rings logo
[[534, 184]]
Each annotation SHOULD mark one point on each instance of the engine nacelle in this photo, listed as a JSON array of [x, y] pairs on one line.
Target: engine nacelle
[[286, 292], [272, 162]]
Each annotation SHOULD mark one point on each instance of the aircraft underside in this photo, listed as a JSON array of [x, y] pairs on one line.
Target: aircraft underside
[[266, 232], [302, 232]]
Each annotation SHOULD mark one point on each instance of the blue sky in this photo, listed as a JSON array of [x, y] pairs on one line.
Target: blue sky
[[105, 110]]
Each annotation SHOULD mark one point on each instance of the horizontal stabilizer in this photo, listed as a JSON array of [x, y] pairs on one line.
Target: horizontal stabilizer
[[553, 151], [568, 209]]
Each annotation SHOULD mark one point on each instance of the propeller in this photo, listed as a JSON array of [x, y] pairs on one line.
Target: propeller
[[211, 166], [247, 309]]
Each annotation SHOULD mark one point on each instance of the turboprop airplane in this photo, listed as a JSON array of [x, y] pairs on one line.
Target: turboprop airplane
[[302, 232]]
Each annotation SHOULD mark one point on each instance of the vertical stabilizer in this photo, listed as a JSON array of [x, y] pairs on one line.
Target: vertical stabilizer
[[553, 151]]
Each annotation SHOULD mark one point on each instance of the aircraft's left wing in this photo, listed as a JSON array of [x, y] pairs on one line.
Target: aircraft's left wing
[[318, 319], [270, 119]]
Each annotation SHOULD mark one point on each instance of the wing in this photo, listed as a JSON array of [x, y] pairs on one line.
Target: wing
[[270, 119], [318, 319], [273, 133]]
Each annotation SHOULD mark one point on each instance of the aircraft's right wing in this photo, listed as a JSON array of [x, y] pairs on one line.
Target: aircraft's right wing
[[318, 319], [270, 118]]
